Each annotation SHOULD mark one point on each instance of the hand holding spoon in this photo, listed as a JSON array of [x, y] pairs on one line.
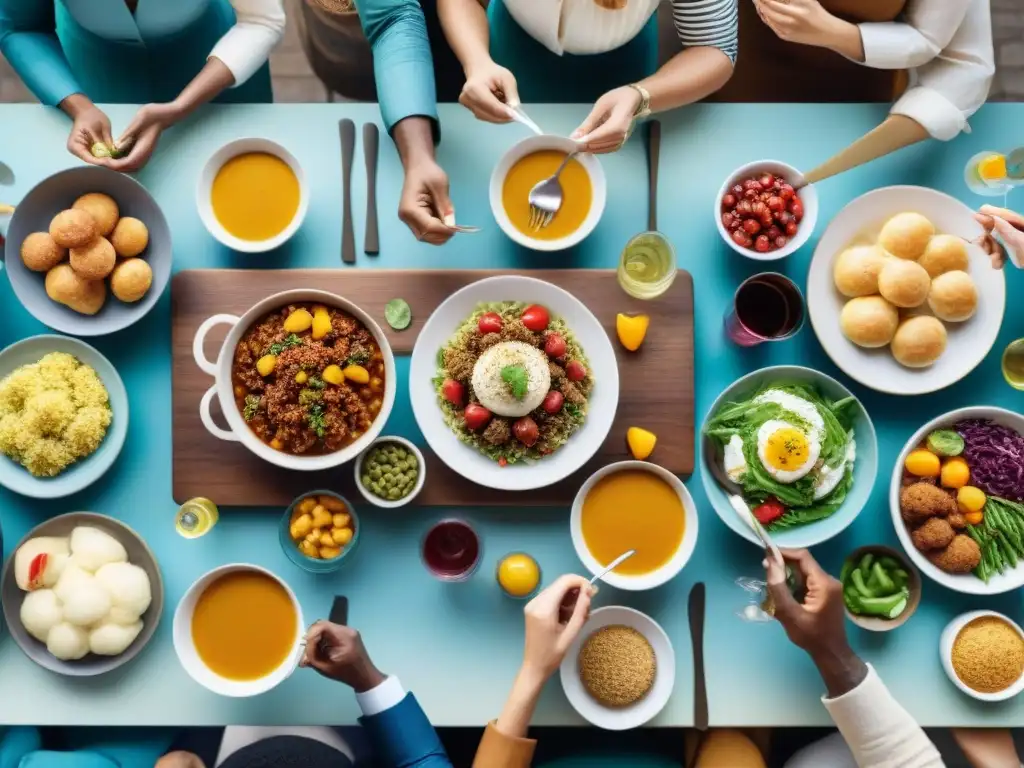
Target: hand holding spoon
[[568, 605]]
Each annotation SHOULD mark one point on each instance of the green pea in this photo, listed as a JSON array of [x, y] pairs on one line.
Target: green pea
[[376, 474], [413, 474], [366, 480], [402, 453], [394, 494]]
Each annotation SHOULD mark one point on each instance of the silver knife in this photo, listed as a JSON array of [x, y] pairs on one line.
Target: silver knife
[[347, 129], [371, 141], [695, 611]]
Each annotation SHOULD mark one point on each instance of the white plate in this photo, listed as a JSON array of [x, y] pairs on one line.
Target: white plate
[[467, 460], [967, 583], [969, 342], [635, 715]]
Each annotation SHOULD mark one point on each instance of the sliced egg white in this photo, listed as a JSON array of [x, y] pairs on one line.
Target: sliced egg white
[[733, 460], [787, 451], [828, 477]]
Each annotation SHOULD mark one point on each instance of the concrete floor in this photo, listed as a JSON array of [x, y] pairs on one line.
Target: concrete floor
[[294, 82]]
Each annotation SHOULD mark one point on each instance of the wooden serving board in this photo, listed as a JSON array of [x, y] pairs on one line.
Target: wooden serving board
[[655, 390]]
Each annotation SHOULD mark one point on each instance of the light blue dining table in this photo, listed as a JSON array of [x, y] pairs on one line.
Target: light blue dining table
[[458, 646]]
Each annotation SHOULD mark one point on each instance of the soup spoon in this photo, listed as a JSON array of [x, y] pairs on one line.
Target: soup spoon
[[614, 564]]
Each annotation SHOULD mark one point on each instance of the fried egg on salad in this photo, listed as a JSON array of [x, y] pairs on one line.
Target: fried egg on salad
[[787, 452]]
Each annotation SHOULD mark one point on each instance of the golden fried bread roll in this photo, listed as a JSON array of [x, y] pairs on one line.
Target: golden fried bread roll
[[953, 296], [869, 321], [40, 253], [856, 270], [67, 287], [130, 237], [919, 341], [131, 280], [73, 228], [95, 260], [904, 283], [944, 253], [102, 208], [906, 235]]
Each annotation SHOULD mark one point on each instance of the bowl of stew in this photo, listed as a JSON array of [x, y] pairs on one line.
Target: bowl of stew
[[305, 379]]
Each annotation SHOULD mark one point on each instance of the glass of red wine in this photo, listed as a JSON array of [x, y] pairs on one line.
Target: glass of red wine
[[766, 307], [451, 550]]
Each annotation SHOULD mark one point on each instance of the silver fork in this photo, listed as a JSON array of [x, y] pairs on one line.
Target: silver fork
[[546, 198]]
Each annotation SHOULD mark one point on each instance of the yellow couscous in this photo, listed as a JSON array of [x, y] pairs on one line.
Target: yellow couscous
[[52, 413]]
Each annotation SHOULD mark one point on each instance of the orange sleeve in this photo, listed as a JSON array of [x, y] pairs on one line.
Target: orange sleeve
[[497, 750]]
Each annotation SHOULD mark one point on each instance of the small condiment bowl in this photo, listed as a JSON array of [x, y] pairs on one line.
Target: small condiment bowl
[[204, 192], [371, 497], [879, 623], [949, 636], [808, 195], [291, 547]]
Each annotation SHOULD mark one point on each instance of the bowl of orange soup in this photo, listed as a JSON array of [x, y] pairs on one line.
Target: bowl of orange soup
[[634, 505], [238, 631], [531, 161], [252, 195]]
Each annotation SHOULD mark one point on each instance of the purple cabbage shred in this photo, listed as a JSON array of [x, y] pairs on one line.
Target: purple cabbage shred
[[995, 455]]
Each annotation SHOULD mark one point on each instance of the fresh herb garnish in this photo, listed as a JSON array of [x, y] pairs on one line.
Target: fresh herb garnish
[[359, 357], [315, 417], [280, 346], [315, 382], [308, 397], [252, 404], [574, 411], [440, 358], [518, 382]]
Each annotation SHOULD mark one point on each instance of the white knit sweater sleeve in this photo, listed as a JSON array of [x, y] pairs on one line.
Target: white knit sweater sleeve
[[880, 732], [246, 46], [711, 23]]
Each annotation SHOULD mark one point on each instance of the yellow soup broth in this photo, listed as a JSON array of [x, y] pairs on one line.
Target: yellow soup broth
[[633, 509], [244, 626], [255, 196], [524, 175]]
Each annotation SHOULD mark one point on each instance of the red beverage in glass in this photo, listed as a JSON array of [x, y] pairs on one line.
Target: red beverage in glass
[[451, 550], [766, 307]]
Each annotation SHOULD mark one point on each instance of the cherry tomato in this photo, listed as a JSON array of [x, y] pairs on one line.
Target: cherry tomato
[[787, 192], [741, 238], [781, 241], [489, 323], [575, 371], [553, 401], [535, 317], [453, 392], [526, 431], [751, 226], [796, 208], [476, 416], [776, 204], [502, 461], [729, 200], [762, 244], [727, 220], [770, 511], [791, 229], [554, 346]]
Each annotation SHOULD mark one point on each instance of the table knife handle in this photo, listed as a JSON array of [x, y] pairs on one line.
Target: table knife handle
[[347, 129], [371, 144]]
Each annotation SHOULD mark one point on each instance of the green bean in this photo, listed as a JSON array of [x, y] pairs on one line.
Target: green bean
[[885, 583], [865, 563], [857, 577], [889, 563]]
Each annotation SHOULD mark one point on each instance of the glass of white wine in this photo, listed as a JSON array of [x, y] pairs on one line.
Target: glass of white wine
[[1013, 364], [647, 267]]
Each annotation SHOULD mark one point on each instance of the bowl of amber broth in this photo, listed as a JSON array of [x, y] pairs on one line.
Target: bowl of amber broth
[[238, 630], [983, 654], [634, 505], [304, 379], [530, 162], [252, 195]]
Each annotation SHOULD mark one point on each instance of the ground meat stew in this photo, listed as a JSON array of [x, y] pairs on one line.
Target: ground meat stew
[[308, 379]]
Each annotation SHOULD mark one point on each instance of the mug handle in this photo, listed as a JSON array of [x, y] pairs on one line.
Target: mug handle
[[200, 339], [207, 418]]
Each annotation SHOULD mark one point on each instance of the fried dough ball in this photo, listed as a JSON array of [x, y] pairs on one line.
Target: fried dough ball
[[935, 533], [40, 253], [869, 321], [958, 521], [73, 228], [944, 253], [904, 283], [961, 556], [102, 208], [953, 297], [130, 237], [131, 280], [906, 235], [919, 341], [920, 501], [94, 261], [67, 287], [856, 270]]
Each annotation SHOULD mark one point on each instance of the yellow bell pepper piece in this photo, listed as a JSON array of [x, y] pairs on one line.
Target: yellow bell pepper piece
[[970, 499], [356, 373], [301, 377], [298, 321], [631, 330], [321, 324], [265, 365], [332, 375], [641, 442]]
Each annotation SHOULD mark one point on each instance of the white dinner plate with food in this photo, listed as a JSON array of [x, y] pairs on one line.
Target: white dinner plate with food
[[514, 383], [620, 670], [911, 305], [990, 441]]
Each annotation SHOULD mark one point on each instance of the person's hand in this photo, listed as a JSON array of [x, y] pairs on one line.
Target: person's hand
[[816, 624], [338, 653], [547, 638], [180, 759], [798, 21], [987, 747], [425, 206], [1001, 221], [90, 126], [609, 123], [490, 91], [142, 134]]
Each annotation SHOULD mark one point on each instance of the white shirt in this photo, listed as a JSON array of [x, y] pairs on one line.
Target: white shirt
[[247, 45], [947, 46]]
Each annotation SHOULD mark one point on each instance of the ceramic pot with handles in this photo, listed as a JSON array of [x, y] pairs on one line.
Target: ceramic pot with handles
[[222, 388]]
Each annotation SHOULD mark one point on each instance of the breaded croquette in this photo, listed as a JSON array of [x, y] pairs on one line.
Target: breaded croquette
[[920, 501], [961, 556], [935, 533]]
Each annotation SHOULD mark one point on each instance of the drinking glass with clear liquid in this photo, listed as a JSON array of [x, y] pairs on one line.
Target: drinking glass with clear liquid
[[1013, 364], [647, 266], [196, 517]]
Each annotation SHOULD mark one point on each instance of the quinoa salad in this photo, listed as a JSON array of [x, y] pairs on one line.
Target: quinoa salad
[[513, 382]]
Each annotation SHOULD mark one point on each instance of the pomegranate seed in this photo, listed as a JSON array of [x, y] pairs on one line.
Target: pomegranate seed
[[758, 208], [729, 201], [767, 220], [727, 220], [762, 244], [791, 228], [787, 192], [737, 190], [750, 194], [741, 238], [780, 241], [767, 180], [783, 217], [796, 208], [776, 203], [744, 208], [773, 232], [751, 226], [753, 184]]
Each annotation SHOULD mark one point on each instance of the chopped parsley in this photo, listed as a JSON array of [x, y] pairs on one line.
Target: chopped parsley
[[315, 417], [315, 382], [358, 357], [308, 397], [252, 404], [280, 346], [574, 411], [516, 379]]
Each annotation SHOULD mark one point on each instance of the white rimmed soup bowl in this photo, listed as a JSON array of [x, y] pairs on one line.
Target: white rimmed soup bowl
[[222, 389], [598, 186], [678, 560], [948, 639], [188, 655], [204, 192]]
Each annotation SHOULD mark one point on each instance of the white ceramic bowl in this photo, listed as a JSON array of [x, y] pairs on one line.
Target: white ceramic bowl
[[949, 635], [635, 715], [189, 658], [220, 369], [809, 196], [525, 147], [968, 342], [670, 569], [205, 188], [421, 478], [466, 459], [965, 583]]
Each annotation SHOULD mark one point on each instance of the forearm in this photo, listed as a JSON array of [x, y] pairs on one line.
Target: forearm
[[841, 670], [465, 26], [205, 87], [515, 717], [39, 61], [687, 77], [845, 39], [414, 139]]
